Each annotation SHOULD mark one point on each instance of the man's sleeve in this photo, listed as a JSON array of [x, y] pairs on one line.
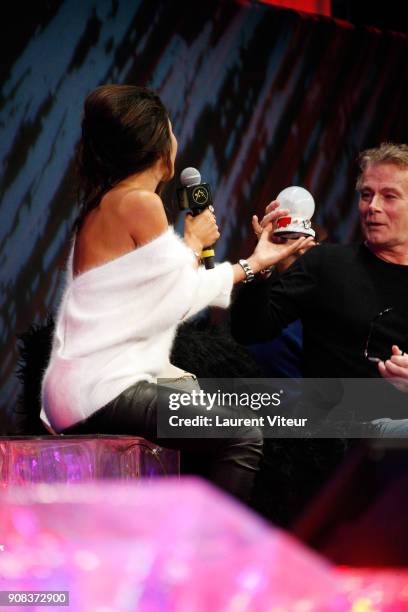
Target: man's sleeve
[[262, 309]]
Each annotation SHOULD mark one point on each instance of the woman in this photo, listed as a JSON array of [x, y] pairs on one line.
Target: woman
[[131, 280]]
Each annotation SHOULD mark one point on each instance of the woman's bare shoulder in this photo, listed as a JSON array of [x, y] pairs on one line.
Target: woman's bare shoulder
[[142, 214], [122, 221]]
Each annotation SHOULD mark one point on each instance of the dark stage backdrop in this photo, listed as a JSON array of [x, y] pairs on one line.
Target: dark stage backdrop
[[260, 98]]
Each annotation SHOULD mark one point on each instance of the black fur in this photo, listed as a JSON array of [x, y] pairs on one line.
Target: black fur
[[35, 349]]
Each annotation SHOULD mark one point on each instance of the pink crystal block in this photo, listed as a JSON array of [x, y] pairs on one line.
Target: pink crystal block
[[75, 459], [375, 590], [164, 545]]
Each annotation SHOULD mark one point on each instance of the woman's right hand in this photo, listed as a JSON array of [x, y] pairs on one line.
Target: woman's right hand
[[201, 231], [268, 253]]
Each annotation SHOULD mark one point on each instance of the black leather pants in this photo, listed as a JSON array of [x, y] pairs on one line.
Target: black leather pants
[[230, 463]]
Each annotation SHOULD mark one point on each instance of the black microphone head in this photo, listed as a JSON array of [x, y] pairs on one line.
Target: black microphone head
[[190, 177]]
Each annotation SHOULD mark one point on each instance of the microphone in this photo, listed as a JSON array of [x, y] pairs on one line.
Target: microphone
[[196, 196]]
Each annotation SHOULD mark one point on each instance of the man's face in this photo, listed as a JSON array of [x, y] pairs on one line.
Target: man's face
[[383, 206]]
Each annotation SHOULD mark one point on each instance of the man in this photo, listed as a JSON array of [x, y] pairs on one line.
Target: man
[[352, 300], [383, 188]]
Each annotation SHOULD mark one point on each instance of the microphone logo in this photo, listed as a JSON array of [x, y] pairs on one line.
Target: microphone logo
[[200, 195]]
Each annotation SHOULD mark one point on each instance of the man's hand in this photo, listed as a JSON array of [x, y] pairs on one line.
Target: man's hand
[[395, 369], [272, 214]]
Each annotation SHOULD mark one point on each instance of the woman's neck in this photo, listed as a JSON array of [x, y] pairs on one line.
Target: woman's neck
[[148, 179]]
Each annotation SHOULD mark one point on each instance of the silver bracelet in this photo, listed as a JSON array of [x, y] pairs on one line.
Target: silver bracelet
[[197, 255], [249, 273]]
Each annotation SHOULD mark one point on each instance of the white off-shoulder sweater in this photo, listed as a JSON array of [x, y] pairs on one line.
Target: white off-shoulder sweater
[[116, 324]]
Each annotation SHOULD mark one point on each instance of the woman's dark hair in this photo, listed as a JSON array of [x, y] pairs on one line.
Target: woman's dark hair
[[125, 130]]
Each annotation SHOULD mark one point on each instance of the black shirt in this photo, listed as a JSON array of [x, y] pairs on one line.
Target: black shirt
[[337, 292]]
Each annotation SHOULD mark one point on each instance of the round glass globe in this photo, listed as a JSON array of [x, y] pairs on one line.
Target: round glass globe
[[298, 201]]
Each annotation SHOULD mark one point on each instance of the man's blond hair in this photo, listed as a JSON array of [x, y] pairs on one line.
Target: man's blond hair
[[386, 153]]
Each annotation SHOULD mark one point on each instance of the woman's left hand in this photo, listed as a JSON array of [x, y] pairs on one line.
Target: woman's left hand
[[201, 231]]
